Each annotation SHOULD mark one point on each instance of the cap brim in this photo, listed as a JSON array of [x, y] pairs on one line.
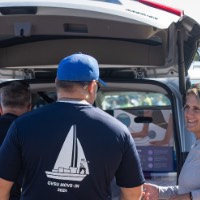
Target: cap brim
[[102, 82]]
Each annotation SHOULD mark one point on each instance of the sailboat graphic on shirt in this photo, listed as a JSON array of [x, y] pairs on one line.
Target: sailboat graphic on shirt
[[71, 163]]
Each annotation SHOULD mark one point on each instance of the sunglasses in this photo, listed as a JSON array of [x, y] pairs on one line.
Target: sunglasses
[[195, 85], [98, 86]]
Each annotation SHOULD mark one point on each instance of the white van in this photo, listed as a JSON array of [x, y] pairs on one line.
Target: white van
[[144, 50]]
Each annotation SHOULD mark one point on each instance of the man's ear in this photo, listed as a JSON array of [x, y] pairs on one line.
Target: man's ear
[[91, 87]]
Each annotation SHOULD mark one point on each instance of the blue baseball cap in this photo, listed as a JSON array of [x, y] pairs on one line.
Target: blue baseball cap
[[79, 67]]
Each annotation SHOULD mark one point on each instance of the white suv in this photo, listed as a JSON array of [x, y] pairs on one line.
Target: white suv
[[144, 50]]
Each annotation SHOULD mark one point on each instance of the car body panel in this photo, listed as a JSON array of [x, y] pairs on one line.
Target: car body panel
[[120, 11], [59, 28]]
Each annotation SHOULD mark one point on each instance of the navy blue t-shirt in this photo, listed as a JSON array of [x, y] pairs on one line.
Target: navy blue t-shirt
[[5, 122], [70, 151]]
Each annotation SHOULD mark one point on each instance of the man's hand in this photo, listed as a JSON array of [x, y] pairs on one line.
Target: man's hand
[[150, 192]]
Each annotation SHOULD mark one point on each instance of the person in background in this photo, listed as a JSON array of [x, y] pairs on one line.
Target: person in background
[[15, 98], [188, 187], [51, 142]]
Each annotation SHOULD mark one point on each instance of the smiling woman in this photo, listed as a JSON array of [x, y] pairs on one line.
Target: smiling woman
[[188, 183], [192, 111]]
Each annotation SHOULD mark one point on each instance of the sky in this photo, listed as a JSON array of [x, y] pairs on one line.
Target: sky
[[190, 7]]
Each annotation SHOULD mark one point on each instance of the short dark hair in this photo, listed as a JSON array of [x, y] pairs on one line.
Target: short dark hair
[[69, 85], [15, 94]]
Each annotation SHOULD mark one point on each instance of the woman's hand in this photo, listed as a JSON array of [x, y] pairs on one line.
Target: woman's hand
[[150, 192]]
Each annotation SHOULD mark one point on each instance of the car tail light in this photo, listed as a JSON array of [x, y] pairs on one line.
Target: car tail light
[[163, 7]]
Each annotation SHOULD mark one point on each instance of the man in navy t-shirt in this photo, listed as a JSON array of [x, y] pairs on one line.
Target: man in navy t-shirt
[[15, 101], [70, 149]]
